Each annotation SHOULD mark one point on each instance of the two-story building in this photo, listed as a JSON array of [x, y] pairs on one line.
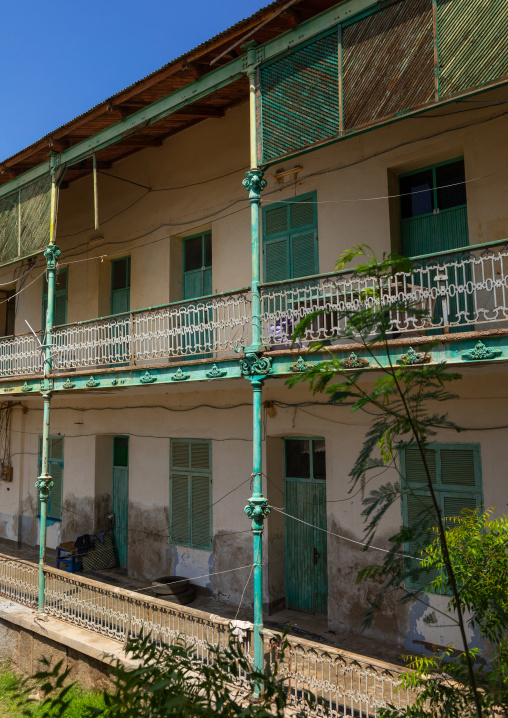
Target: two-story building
[[374, 122]]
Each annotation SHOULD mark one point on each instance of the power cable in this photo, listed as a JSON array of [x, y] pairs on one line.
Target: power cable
[[344, 538]]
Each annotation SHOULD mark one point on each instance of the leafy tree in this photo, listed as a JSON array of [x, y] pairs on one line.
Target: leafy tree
[[404, 398], [478, 548], [172, 682]]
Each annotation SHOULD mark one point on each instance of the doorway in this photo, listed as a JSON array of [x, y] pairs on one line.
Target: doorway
[[197, 282], [305, 533], [433, 218], [120, 497]]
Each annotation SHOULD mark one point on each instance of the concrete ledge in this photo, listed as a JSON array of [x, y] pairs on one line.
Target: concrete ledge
[[26, 637]]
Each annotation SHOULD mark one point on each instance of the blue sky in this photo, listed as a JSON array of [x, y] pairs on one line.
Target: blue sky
[[59, 58]]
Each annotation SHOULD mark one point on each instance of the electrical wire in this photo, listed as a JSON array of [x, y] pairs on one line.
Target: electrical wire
[[344, 538]]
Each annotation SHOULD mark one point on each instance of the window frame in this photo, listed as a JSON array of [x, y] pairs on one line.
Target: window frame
[[129, 287], [433, 168], [441, 489], [204, 267], [190, 472], [289, 233]]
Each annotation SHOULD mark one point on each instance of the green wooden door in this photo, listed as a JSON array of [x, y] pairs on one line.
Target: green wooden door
[[434, 219], [305, 534], [120, 496], [197, 282], [120, 304]]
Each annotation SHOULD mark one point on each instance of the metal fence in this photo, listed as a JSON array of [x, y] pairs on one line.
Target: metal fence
[[349, 684], [198, 328], [201, 328], [451, 292]]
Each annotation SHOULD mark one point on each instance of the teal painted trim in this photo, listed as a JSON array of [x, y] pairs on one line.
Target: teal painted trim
[[281, 365]]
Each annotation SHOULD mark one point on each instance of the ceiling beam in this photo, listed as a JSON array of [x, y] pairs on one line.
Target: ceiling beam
[[135, 141]]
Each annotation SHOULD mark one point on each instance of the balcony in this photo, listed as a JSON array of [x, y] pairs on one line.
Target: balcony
[[446, 293], [208, 327]]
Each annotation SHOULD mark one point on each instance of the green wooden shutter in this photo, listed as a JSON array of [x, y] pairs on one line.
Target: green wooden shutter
[[458, 467], [191, 485], [419, 515], [456, 477], [414, 467], [277, 260], [290, 239], [180, 524], [201, 523], [303, 254]]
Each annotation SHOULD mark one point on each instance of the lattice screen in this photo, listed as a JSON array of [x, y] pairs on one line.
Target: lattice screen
[[300, 97], [24, 221]]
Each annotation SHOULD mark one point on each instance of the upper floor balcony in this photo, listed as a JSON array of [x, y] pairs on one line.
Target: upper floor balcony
[[450, 292]]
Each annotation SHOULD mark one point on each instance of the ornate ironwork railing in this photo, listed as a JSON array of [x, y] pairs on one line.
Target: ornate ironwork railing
[[347, 683], [444, 292], [199, 328], [185, 329]]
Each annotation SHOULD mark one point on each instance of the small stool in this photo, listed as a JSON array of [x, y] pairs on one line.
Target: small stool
[[66, 555]]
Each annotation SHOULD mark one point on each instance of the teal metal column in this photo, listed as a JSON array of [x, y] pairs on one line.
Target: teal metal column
[[44, 483], [256, 368]]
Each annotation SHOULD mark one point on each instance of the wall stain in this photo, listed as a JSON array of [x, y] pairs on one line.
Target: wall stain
[[347, 600], [232, 550], [148, 542]]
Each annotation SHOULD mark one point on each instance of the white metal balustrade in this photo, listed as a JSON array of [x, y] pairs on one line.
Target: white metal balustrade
[[204, 327], [348, 684], [451, 292], [185, 329]]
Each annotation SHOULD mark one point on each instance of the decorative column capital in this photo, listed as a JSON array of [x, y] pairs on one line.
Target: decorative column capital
[[257, 509], [254, 182], [44, 484], [255, 367], [51, 253]]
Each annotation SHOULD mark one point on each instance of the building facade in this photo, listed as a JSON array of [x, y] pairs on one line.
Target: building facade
[[362, 138]]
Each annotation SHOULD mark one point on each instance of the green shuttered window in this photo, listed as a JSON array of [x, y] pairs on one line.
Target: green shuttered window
[[61, 293], [191, 493], [55, 470], [290, 239], [455, 471]]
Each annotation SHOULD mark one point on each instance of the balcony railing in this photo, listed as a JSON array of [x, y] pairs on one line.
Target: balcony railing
[[203, 327], [445, 292], [347, 683]]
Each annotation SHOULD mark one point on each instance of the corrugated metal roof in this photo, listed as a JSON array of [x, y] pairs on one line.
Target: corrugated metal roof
[[274, 5]]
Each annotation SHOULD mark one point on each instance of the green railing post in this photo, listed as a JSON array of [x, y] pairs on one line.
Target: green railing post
[[44, 484], [256, 368]]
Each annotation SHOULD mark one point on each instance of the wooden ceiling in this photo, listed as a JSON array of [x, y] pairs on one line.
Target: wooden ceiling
[[262, 26]]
